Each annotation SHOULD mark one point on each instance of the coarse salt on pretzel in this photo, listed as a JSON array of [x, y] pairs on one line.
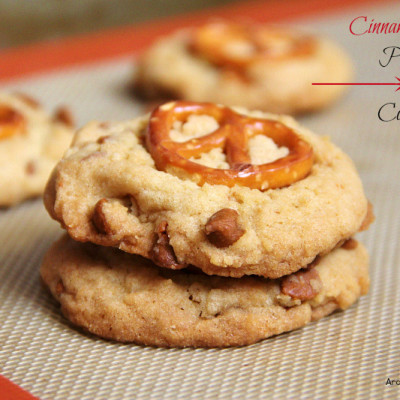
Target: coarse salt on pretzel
[[234, 45], [11, 121], [232, 137]]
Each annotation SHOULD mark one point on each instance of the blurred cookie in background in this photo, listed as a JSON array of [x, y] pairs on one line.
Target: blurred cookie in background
[[31, 142], [256, 66]]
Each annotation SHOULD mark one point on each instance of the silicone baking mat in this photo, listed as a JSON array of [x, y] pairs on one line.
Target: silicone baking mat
[[347, 355]]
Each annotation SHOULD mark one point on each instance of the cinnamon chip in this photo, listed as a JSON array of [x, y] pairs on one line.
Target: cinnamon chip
[[99, 219], [163, 253], [369, 218], [222, 229], [30, 167], [28, 100], [60, 287], [103, 139], [64, 116], [350, 244], [303, 285]]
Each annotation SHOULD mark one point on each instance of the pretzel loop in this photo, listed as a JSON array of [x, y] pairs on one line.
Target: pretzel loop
[[11, 121], [232, 137], [234, 45]]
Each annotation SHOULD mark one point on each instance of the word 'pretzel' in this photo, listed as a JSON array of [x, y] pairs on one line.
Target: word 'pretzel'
[[240, 45], [11, 121], [232, 137]]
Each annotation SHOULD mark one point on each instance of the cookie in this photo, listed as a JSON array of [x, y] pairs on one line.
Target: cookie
[[31, 142], [257, 67], [108, 190], [123, 297]]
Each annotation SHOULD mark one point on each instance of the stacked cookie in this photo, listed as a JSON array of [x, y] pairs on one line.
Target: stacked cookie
[[203, 225], [31, 143]]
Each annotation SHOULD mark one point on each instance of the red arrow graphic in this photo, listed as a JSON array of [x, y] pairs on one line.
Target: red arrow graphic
[[362, 83]]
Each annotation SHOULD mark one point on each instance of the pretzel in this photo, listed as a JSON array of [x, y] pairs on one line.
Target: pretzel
[[234, 45], [232, 137], [11, 121]]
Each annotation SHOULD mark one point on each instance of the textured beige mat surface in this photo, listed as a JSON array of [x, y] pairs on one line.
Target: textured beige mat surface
[[345, 356]]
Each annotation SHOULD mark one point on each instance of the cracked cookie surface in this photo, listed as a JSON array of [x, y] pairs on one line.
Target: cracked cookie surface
[[127, 298], [28, 155], [107, 190]]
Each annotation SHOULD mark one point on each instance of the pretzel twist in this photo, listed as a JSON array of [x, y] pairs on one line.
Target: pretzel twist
[[12, 122], [234, 45], [232, 137]]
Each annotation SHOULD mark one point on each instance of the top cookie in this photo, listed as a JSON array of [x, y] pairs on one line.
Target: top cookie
[[31, 142], [257, 67], [108, 190]]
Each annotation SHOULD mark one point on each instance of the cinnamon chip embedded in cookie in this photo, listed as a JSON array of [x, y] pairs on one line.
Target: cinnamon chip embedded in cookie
[[127, 298], [270, 231], [222, 229], [302, 285], [162, 253], [31, 143], [255, 66], [64, 115]]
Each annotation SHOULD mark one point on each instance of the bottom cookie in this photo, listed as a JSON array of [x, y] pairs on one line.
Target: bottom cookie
[[127, 298]]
